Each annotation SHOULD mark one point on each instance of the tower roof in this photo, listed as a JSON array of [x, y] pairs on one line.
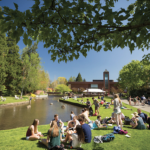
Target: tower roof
[[105, 70]]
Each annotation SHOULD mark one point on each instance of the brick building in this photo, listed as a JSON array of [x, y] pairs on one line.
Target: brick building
[[104, 84]]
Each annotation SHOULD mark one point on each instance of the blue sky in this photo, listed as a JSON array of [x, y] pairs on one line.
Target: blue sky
[[94, 64]]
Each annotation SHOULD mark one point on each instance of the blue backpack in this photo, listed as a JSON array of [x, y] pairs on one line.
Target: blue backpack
[[116, 129], [108, 137]]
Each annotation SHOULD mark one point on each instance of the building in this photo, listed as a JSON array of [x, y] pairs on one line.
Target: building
[[104, 84]]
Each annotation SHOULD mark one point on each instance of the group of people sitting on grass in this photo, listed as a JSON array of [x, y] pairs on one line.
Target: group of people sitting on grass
[[138, 100], [78, 129]]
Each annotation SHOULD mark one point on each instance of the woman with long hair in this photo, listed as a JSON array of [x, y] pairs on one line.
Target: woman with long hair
[[117, 110], [75, 138], [32, 132], [53, 136]]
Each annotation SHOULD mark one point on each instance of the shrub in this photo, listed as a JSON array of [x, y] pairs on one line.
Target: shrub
[[41, 93]]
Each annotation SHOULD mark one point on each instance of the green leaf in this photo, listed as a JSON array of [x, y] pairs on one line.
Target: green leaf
[[16, 6]]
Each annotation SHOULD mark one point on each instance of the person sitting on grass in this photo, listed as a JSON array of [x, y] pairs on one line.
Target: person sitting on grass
[[32, 132], [86, 129], [53, 136], [112, 102], [97, 123], [73, 123], [75, 138], [137, 122], [60, 124], [85, 113], [142, 115], [113, 120], [72, 115]]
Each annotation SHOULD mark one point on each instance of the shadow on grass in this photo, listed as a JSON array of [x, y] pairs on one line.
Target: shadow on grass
[[23, 138], [40, 145], [97, 147]]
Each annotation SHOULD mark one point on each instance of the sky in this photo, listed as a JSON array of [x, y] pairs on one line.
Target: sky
[[91, 67]]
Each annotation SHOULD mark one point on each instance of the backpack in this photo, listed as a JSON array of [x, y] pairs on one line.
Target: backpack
[[123, 132], [127, 121], [106, 106], [146, 117], [61, 147], [116, 129], [98, 139], [108, 137]]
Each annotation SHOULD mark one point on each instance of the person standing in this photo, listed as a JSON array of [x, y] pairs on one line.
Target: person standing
[[117, 110], [130, 100], [96, 103], [88, 104], [135, 100]]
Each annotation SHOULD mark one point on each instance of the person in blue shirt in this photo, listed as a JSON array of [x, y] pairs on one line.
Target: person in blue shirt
[[86, 129], [142, 115]]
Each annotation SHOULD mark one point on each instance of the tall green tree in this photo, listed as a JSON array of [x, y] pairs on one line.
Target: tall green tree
[[79, 78], [31, 65], [3, 55], [13, 67], [80, 25], [131, 76]]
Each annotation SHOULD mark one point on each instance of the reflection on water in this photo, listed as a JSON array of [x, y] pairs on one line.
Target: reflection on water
[[19, 116]]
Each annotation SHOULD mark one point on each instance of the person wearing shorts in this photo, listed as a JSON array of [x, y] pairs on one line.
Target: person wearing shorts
[[96, 103], [117, 110]]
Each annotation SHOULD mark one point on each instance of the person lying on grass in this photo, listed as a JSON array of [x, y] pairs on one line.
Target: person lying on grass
[[75, 138], [73, 123], [32, 132], [53, 136], [97, 123], [137, 122]]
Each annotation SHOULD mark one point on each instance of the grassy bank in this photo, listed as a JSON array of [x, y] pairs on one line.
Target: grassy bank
[[15, 138], [10, 99]]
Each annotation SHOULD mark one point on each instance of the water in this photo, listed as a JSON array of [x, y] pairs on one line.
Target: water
[[19, 116]]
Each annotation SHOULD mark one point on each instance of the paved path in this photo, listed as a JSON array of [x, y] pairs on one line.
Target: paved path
[[145, 107]]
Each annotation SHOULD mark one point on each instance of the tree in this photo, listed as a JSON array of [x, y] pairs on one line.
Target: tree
[[79, 78], [113, 90], [82, 89], [3, 55], [62, 80], [62, 88], [13, 65], [43, 79], [84, 80], [71, 28], [72, 79], [31, 66], [54, 84], [75, 90], [131, 76]]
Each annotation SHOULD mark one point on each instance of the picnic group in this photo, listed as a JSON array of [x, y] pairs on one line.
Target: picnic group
[[78, 129]]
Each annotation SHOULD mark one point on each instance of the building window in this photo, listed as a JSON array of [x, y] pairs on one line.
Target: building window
[[106, 81], [94, 86]]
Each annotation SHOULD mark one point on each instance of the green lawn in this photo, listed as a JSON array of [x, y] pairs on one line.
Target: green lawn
[[15, 138], [10, 99]]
